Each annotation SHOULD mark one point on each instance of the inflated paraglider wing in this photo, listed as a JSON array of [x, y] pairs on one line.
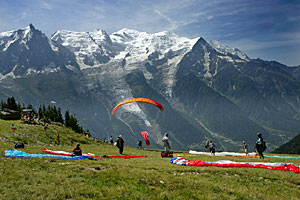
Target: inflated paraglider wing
[[140, 99], [145, 136]]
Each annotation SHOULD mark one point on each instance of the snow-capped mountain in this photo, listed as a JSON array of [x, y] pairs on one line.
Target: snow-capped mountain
[[208, 90], [89, 48], [227, 50], [140, 45], [28, 50]]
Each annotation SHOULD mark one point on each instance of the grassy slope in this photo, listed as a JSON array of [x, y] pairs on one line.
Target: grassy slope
[[291, 147], [141, 178]]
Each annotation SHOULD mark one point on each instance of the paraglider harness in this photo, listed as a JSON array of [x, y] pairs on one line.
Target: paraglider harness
[[167, 154], [264, 146]]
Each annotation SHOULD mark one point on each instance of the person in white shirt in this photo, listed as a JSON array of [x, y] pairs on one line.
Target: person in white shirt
[[165, 140]]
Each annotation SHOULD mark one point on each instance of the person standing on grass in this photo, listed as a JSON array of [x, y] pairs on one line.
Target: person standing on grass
[[246, 148], [260, 146], [165, 140], [45, 128], [120, 144], [58, 139], [140, 144], [50, 139], [111, 140], [212, 148]]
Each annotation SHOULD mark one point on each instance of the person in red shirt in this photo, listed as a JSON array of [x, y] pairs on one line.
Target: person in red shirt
[[77, 151], [58, 139]]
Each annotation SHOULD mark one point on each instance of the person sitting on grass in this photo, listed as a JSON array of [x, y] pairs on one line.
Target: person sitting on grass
[[77, 151], [13, 128]]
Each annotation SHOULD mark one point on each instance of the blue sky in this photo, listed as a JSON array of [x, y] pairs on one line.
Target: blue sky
[[268, 29]]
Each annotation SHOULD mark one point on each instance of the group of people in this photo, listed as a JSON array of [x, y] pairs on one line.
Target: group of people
[[34, 120], [260, 145], [119, 143]]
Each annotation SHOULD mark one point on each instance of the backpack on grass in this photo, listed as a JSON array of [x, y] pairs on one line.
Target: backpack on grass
[[166, 154]]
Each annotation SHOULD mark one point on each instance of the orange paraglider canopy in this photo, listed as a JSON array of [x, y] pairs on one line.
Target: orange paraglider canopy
[[140, 99]]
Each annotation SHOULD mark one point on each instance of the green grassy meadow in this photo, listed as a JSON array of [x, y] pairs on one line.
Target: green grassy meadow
[[138, 178]]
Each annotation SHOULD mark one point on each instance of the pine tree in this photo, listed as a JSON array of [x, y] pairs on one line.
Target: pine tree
[[59, 117], [12, 104], [40, 113], [2, 104], [67, 118]]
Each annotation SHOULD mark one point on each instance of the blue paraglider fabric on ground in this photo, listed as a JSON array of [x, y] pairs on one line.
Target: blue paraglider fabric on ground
[[21, 154]]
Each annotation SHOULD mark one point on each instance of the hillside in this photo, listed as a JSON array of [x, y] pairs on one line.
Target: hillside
[[291, 147], [152, 177], [34, 135]]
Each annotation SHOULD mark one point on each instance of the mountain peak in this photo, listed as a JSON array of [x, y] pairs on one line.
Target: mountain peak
[[201, 42], [128, 30], [100, 31], [31, 27], [225, 50]]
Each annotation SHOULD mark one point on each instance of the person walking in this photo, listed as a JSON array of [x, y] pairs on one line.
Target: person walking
[[212, 148], [260, 146], [165, 140], [120, 144], [246, 148]]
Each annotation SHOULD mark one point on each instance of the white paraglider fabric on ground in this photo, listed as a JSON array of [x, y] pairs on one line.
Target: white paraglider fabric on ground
[[222, 153]]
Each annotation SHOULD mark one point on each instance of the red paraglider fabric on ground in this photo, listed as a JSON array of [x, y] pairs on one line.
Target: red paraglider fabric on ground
[[227, 163]]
